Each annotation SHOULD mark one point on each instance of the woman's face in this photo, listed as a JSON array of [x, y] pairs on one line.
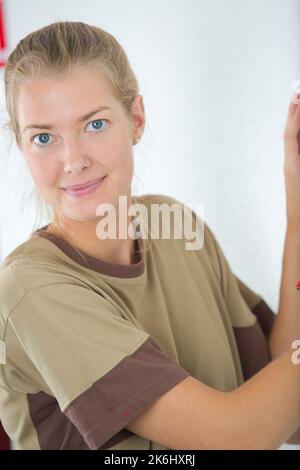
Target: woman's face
[[62, 142]]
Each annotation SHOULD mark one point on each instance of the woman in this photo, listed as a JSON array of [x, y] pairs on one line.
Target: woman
[[124, 343]]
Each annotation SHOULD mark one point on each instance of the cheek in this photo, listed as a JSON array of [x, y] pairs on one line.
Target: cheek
[[118, 158], [124, 166], [43, 174]]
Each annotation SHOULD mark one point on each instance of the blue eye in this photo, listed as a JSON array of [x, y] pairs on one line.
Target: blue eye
[[43, 141], [44, 137], [97, 123]]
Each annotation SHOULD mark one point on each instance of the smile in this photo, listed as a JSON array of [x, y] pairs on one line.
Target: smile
[[84, 191]]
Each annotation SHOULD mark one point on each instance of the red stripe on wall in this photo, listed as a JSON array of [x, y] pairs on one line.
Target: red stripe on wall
[[3, 43]]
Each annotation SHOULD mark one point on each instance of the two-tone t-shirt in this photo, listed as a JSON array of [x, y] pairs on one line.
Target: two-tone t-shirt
[[89, 345]]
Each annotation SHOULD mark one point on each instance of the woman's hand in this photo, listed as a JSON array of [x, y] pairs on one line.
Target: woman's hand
[[292, 164]]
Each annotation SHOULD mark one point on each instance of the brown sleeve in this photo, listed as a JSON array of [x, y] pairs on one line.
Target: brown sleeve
[[103, 410], [252, 341], [265, 316]]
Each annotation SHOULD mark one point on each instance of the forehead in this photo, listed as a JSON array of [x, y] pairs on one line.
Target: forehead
[[61, 99]]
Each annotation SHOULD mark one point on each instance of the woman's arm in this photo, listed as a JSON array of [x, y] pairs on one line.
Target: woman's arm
[[286, 328], [261, 414], [287, 325]]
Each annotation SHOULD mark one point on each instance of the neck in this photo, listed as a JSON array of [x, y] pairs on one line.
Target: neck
[[83, 235]]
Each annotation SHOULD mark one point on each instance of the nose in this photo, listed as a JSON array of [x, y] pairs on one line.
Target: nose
[[75, 158]]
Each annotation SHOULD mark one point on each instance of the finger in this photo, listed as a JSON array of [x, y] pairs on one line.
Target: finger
[[295, 100], [293, 120]]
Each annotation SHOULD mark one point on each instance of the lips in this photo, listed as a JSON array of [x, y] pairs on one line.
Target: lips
[[84, 185], [86, 189]]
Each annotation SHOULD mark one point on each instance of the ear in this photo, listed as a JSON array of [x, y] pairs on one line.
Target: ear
[[138, 112]]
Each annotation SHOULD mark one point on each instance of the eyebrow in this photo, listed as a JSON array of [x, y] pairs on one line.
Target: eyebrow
[[81, 119]]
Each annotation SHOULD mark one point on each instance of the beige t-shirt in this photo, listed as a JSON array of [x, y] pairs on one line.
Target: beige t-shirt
[[90, 344]]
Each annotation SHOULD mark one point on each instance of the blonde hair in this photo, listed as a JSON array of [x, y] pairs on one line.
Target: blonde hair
[[53, 51]]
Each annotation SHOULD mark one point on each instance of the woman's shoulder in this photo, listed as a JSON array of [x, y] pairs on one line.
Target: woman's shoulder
[[31, 264], [33, 250]]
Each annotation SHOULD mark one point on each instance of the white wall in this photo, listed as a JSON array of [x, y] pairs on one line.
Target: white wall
[[216, 78]]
